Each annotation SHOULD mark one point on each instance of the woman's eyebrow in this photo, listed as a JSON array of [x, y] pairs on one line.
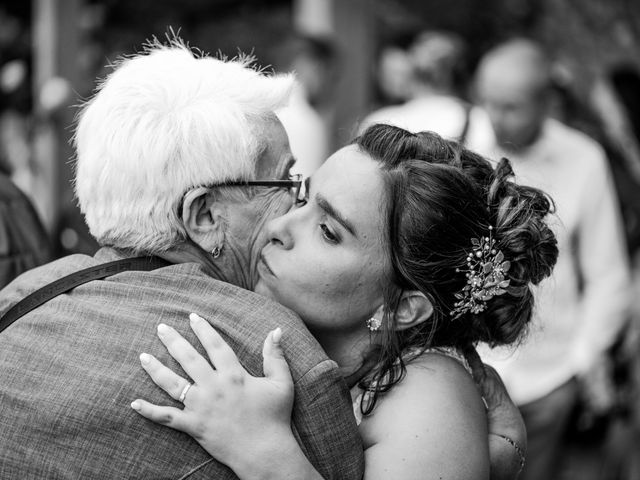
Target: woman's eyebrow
[[330, 210]]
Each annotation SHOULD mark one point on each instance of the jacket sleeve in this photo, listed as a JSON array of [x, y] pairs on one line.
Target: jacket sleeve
[[323, 416]]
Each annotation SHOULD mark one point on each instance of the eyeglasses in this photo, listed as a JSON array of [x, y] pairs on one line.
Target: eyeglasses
[[294, 184]]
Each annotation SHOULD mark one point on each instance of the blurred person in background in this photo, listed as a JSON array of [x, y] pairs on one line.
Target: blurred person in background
[[156, 146], [583, 306], [436, 59], [24, 243], [615, 102], [393, 76], [601, 442], [307, 117]]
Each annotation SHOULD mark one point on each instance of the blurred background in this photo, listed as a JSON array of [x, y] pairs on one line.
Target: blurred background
[[351, 58], [52, 51]]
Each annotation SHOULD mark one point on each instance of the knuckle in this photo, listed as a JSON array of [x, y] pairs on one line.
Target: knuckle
[[191, 356], [176, 387], [166, 418], [233, 377], [236, 378]]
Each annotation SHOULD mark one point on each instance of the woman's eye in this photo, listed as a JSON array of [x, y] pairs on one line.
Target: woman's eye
[[328, 234]]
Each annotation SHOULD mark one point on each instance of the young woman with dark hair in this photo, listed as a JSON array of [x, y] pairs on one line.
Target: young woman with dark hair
[[407, 251]]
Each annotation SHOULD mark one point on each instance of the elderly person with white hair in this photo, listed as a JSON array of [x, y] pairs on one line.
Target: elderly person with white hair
[[180, 161]]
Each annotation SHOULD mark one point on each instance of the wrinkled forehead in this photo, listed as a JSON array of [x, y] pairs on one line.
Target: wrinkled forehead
[[275, 159]]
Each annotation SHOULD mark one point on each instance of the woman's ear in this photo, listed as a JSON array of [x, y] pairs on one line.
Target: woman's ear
[[413, 309], [203, 219]]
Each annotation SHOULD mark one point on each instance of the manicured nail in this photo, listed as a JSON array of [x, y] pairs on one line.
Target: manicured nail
[[136, 405], [276, 335], [145, 358], [163, 329], [195, 318]]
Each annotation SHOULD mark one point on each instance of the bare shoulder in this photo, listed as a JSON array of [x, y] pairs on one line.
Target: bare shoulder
[[436, 385], [430, 425]]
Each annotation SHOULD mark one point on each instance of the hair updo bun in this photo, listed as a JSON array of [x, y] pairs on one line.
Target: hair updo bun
[[439, 197], [517, 213]]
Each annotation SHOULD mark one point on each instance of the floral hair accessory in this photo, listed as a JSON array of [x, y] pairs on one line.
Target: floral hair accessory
[[485, 272]]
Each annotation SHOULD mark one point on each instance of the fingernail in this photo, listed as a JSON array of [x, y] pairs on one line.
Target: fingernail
[[195, 318], [162, 329], [135, 405], [276, 335], [145, 358]]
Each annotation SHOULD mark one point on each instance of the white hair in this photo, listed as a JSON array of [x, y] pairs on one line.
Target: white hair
[[164, 121]]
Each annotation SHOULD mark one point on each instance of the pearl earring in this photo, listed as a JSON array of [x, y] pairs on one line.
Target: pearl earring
[[216, 252], [374, 324]]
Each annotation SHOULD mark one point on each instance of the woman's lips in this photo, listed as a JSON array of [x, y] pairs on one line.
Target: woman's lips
[[263, 264]]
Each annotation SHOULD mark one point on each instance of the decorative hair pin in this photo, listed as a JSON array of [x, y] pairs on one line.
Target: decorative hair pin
[[485, 272]]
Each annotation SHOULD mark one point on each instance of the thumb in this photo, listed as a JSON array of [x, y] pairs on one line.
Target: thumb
[[275, 366]]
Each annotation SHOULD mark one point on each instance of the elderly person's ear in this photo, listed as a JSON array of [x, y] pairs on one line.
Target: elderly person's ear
[[204, 219]]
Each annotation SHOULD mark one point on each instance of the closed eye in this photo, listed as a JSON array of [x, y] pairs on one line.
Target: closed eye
[[328, 235]]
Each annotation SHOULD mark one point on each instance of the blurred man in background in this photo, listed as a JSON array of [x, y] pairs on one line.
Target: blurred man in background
[[582, 307], [436, 59]]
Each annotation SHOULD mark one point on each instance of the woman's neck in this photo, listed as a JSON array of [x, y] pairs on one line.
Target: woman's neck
[[348, 349]]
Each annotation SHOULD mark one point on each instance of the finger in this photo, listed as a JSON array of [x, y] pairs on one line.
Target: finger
[[474, 361], [490, 386], [194, 364], [220, 353], [275, 366], [163, 376], [169, 416]]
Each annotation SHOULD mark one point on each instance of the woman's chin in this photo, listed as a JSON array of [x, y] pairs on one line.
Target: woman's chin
[[262, 289]]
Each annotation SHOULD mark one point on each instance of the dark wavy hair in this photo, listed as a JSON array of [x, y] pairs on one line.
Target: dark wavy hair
[[439, 196]]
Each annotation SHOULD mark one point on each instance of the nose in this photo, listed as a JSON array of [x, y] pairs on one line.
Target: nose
[[279, 230]]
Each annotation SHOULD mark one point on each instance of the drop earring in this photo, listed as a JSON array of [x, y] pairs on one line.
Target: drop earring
[[216, 252], [374, 324]]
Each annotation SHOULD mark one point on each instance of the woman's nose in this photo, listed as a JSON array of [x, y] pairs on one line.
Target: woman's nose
[[279, 232]]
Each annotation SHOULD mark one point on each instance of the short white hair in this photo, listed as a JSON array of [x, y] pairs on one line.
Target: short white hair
[[162, 122]]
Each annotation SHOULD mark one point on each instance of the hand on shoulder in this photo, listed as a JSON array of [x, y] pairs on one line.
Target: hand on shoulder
[[231, 414]]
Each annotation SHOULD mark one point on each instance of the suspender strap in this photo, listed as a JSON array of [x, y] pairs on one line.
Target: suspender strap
[[64, 284]]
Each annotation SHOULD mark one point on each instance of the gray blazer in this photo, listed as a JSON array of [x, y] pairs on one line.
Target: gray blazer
[[69, 370]]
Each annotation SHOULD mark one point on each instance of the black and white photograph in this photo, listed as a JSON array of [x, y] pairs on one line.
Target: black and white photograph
[[319, 240]]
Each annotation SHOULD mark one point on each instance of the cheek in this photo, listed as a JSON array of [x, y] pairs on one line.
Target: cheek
[[344, 295], [336, 294]]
